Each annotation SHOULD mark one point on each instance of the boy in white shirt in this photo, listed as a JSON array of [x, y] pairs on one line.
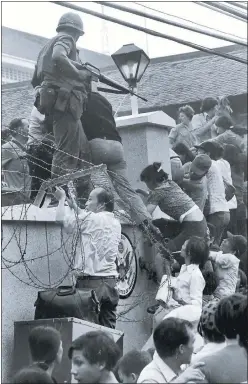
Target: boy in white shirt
[[226, 266]]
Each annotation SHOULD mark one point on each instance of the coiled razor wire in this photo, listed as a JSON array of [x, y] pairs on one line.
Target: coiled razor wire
[[97, 180]]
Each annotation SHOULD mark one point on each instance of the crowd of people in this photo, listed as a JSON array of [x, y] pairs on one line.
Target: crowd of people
[[174, 358], [200, 315]]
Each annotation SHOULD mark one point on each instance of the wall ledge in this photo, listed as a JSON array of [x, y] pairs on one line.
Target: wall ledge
[[31, 213], [157, 118]]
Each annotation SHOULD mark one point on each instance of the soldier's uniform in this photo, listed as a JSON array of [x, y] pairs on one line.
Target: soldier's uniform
[[62, 98]]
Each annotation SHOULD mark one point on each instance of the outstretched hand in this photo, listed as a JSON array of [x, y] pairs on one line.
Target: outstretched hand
[[59, 193]]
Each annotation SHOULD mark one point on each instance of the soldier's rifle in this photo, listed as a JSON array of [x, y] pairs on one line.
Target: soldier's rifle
[[118, 88]]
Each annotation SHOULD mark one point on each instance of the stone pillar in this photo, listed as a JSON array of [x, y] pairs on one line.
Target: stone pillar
[[145, 140]]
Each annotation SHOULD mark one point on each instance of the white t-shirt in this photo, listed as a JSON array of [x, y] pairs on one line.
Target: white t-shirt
[[226, 267], [216, 190], [190, 284], [99, 235]]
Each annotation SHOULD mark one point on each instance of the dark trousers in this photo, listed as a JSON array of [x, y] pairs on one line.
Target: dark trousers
[[220, 220], [40, 163], [187, 230], [108, 297], [71, 148], [71, 144]]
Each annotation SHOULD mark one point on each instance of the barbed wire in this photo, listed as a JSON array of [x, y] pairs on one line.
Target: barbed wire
[[73, 240]]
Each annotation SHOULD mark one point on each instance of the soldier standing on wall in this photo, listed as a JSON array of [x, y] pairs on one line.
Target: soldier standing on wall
[[63, 90]]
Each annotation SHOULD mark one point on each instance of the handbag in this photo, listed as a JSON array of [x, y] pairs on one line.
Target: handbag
[[67, 301], [164, 293]]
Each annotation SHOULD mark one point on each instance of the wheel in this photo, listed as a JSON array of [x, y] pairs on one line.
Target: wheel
[[127, 268]]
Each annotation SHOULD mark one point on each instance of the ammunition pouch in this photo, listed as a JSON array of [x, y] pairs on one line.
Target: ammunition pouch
[[62, 100], [45, 100]]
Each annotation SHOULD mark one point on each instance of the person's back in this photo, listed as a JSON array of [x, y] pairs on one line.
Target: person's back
[[100, 233], [199, 192], [196, 185], [47, 71], [216, 190], [231, 138], [98, 120], [229, 365]]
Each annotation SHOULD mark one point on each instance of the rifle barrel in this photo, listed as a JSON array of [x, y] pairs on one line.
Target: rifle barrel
[[106, 80]]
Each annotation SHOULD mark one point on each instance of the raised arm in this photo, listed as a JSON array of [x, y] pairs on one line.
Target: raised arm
[[199, 128], [70, 68], [60, 212], [172, 136]]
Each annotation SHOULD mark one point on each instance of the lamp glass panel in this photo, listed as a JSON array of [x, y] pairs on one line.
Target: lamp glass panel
[[129, 69], [144, 61]]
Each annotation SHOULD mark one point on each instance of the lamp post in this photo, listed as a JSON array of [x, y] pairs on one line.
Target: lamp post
[[132, 63]]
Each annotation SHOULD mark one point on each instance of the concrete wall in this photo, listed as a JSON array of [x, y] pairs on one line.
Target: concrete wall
[[34, 234], [37, 239]]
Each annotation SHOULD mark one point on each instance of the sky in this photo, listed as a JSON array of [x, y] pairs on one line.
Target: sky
[[41, 18]]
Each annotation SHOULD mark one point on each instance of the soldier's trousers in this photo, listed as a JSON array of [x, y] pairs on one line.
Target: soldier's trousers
[[72, 149], [71, 144]]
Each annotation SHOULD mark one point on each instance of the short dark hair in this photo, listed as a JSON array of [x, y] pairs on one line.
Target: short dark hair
[[215, 149], [134, 362], [224, 122], [230, 316], [198, 249], [152, 173], [44, 343], [170, 334], [14, 125], [208, 103], [182, 149], [97, 347], [188, 111], [32, 375], [212, 335], [106, 198]]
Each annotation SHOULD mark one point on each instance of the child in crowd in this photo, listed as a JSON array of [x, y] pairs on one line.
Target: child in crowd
[[226, 266], [195, 184], [32, 375], [94, 356], [131, 365]]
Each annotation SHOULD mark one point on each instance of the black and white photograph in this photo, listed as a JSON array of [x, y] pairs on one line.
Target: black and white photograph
[[124, 192]]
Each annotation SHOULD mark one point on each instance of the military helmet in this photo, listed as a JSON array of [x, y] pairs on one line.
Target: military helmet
[[71, 20]]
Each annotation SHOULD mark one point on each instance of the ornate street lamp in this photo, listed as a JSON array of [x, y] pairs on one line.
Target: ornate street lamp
[[132, 63]]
